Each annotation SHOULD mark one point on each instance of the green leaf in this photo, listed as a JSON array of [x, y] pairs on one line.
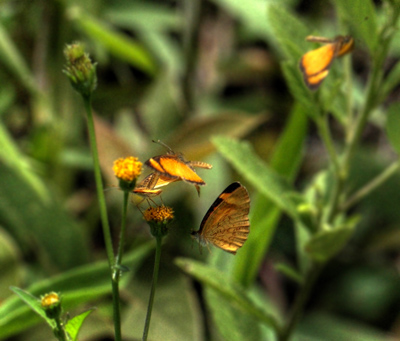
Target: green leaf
[[236, 294], [33, 221], [322, 326], [325, 244], [289, 272], [251, 13], [10, 264], [232, 323], [34, 303], [10, 56], [152, 23], [144, 16], [393, 126], [118, 44], [297, 88], [176, 312], [74, 325], [241, 155], [265, 215], [289, 32], [391, 81], [12, 156], [360, 15]]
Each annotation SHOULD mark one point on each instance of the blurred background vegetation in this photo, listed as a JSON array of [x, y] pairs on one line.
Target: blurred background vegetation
[[182, 72]]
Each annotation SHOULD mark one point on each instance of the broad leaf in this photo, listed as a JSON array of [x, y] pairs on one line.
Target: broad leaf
[[360, 15], [74, 325]]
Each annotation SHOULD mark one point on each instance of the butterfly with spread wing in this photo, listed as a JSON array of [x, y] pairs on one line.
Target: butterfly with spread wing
[[226, 223]]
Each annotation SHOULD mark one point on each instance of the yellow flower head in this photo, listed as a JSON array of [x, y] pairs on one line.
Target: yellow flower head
[[51, 303], [158, 219], [159, 214], [127, 169], [50, 300]]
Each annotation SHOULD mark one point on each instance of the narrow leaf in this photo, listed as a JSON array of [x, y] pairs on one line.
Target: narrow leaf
[[241, 155], [233, 292], [265, 214], [34, 303], [118, 44]]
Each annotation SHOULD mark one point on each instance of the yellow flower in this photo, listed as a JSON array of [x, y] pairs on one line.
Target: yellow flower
[[158, 219], [51, 303], [50, 300], [127, 169], [159, 214]]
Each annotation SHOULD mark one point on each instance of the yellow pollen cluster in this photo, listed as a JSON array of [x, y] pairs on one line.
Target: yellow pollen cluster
[[159, 214], [50, 299], [127, 169]]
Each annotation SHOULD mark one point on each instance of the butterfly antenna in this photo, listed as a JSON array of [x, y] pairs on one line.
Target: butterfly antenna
[[164, 145]]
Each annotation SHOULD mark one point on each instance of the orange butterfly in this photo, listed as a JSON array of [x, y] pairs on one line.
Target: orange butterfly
[[173, 167], [226, 223], [315, 64]]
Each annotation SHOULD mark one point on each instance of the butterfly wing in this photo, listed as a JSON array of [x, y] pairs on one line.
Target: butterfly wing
[[226, 223], [173, 167], [148, 186], [315, 64]]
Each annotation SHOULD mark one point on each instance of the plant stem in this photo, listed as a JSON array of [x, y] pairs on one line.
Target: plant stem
[[153, 287], [300, 301], [123, 229], [117, 268], [325, 134], [103, 213], [59, 331], [192, 14], [372, 185]]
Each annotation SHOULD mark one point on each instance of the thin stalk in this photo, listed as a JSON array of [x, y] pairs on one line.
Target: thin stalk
[[123, 230], [301, 299], [371, 186], [325, 134], [103, 214], [153, 287], [117, 267], [192, 14], [60, 332]]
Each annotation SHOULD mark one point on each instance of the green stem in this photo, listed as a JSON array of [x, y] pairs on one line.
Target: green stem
[[103, 213], [117, 268], [123, 229], [325, 134], [300, 302], [372, 185], [153, 287], [59, 331], [192, 14]]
